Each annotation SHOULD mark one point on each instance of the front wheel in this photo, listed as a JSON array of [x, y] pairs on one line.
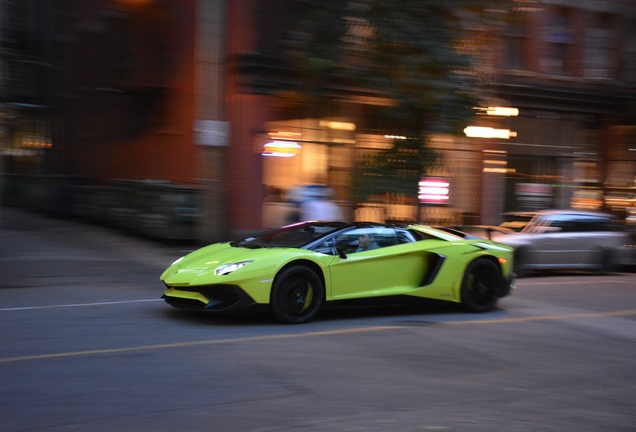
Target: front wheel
[[480, 286], [608, 262], [297, 295]]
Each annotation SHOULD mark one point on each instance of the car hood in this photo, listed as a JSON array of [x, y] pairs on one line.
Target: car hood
[[207, 259], [221, 253]]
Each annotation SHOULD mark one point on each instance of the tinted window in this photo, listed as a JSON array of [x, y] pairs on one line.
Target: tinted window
[[577, 223]]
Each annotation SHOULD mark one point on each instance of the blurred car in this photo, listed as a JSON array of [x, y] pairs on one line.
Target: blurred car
[[630, 249], [296, 269], [517, 220], [569, 239], [488, 232], [630, 219]]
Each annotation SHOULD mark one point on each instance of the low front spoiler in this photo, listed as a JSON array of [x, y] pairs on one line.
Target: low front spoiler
[[214, 298]]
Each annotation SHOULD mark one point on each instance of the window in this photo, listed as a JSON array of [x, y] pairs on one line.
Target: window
[[558, 37], [597, 51], [516, 40], [629, 54]]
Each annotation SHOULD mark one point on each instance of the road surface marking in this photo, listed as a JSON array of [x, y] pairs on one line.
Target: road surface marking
[[620, 313], [197, 343], [79, 305]]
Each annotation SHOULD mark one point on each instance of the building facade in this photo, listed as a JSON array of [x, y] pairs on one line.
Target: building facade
[[179, 93], [570, 69]]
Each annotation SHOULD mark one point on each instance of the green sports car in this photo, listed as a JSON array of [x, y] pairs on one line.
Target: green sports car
[[296, 269]]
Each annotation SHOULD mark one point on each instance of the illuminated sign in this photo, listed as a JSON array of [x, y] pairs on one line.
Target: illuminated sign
[[498, 111], [488, 132], [281, 149], [434, 191]]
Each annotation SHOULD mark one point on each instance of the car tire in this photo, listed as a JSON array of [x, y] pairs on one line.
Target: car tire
[[480, 285], [608, 263], [520, 263], [297, 295]]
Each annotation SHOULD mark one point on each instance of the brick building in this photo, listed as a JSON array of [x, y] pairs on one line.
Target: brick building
[[187, 104]]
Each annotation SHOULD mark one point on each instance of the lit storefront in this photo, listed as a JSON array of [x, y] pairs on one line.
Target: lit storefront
[[326, 151], [306, 152]]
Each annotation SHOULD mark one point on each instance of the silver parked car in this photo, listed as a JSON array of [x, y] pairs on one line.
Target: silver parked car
[[569, 239]]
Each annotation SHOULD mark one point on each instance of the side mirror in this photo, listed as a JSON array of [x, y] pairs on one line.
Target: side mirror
[[342, 251]]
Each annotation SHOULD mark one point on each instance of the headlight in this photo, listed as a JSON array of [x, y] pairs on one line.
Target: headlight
[[229, 268]]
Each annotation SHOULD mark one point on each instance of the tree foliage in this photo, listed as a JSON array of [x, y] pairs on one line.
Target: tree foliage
[[415, 53], [395, 171]]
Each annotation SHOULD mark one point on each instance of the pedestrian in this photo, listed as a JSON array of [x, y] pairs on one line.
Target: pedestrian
[[366, 242], [318, 207]]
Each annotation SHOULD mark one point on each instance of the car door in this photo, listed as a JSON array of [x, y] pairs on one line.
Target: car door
[[603, 238], [555, 242], [389, 268], [569, 241]]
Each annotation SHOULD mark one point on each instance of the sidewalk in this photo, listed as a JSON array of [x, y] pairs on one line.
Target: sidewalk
[[35, 249]]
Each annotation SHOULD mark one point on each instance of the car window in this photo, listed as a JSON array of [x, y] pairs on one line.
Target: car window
[[405, 236], [327, 247], [602, 223], [564, 223], [571, 222], [366, 238]]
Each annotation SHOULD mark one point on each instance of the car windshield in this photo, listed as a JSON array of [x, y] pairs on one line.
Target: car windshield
[[291, 236]]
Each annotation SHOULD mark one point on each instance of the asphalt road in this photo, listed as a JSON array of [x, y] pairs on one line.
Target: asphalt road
[[86, 344]]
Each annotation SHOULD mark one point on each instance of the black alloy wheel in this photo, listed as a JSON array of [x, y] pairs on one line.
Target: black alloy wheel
[[297, 295], [480, 286]]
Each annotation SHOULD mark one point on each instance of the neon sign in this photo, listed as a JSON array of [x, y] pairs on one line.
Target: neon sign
[[434, 191]]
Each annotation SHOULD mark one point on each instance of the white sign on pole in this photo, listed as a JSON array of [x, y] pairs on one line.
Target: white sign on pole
[[211, 133]]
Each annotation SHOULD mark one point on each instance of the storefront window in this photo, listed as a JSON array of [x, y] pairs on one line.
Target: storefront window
[[322, 155]]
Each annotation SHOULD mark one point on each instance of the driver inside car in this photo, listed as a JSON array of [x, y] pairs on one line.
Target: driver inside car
[[366, 242]]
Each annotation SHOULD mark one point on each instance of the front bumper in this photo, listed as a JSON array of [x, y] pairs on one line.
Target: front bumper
[[213, 298]]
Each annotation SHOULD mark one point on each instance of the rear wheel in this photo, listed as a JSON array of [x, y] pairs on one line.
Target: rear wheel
[[480, 286], [297, 295]]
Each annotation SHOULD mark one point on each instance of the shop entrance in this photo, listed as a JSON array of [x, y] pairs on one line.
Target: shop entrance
[[301, 153]]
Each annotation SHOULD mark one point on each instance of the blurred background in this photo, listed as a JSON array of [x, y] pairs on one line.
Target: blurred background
[[202, 120]]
